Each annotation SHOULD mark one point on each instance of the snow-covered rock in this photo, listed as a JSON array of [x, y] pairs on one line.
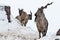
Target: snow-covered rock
[[21, 33]]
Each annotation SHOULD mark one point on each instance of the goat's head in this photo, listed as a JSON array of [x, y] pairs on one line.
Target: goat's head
[[20, 11], [39, 12]]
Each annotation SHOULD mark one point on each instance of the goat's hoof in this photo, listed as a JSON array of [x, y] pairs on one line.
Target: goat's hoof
[[9, 21]]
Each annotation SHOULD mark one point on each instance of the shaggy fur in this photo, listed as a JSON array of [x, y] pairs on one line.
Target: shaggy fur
[[41, 21], [58, 33], [24, 17]]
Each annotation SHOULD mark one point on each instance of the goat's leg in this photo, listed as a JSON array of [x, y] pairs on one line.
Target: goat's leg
[[25, 22], [43, 34], [45, 31], [21, 24], [8, 17], [39, 34]]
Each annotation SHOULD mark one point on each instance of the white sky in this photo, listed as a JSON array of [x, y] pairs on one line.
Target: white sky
[[52, 13]]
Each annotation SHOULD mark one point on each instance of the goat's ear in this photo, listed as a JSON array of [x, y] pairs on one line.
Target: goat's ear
[[18, 9], [9, 7], [22, 9]]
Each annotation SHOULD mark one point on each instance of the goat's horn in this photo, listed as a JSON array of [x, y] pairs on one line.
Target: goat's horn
[[30, 12], [51, 2]]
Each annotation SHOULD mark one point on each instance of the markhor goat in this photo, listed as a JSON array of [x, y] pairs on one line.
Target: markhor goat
[[8, 12], [24, 17], [41, 21]]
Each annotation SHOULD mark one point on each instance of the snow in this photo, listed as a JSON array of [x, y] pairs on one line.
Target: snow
[[14, 30], [21, 34]]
